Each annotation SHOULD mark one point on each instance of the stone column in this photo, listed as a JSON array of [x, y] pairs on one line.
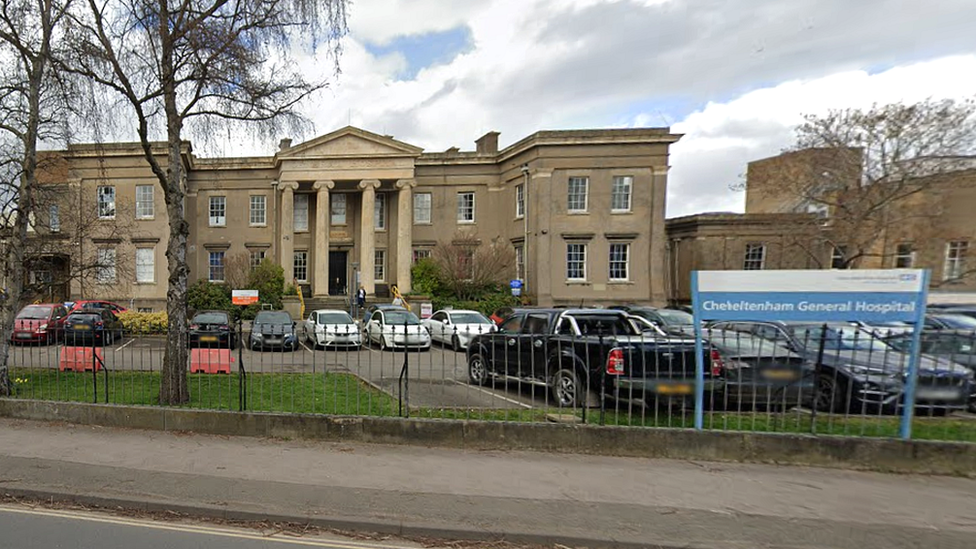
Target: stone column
[[404, 237], [367, 236], [288, 229], [320, 280]]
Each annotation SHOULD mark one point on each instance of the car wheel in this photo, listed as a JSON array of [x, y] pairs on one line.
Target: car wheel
[[456, 344], [565, 388], [831, 396], [107, 338], [477, 369], [384, 346]]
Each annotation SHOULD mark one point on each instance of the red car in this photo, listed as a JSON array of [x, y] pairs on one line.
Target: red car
[[92, 304], [42, 323]]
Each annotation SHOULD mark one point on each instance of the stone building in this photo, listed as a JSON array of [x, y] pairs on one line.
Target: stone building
[[583, 211]]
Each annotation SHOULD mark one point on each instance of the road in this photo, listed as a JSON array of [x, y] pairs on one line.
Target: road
[[29, 528]]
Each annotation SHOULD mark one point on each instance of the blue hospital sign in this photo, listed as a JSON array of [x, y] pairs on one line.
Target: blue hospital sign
[[817, 296]]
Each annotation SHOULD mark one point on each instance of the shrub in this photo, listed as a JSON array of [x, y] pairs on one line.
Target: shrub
[[268, 279], [205, 295], [425, 275], [487, 303], [145, 323]]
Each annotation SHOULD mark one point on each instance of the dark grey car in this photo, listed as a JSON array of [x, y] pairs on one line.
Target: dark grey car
[[273, 330]]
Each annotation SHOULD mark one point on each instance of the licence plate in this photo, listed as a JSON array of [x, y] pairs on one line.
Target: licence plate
[[24, 336], [780, 375], [676, 389], [937, 394], [208, 339], [81, 327]]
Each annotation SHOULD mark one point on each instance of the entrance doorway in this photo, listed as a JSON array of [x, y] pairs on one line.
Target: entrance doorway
[[337, 273]]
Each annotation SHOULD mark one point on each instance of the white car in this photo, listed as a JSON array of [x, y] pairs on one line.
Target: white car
[[332, 328], [457, 327], [393, 328]]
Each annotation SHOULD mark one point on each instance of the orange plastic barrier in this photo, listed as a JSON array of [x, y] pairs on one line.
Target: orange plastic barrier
[[79, 359], [210, 361]]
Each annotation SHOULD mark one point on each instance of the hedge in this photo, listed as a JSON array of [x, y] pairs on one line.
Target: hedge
[[144, 323]]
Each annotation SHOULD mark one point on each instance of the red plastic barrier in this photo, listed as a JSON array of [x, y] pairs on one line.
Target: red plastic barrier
[[79, 359], [210, 361]]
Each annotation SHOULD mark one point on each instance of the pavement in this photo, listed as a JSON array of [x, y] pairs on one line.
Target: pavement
[[571, 500]]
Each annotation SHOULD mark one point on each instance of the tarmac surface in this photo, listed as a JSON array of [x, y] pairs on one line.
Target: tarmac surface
[[520, 496]]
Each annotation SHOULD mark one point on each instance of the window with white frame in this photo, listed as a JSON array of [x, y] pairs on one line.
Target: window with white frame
[[905, 256], [576, 195], [421, 208], [216, 267], [379, 212], [105, 270], [145, 201], [257, 257], [258, 210], [520, 262], [300, 214], [755, 259], [106, 202], [145, 265], [421, 253], [301, 266], [955, 260], [379, 265], [337, 210], [520, 200], [218, 211], [465, 207], [619, 261], [620, 193], [575, 261], [54, 219]]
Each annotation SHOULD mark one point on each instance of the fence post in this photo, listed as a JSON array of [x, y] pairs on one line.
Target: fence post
[[817, 371], [94, 369], [699, 357], [242, 375]]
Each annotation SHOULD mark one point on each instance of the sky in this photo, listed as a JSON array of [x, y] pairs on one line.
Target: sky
[[733, 76]]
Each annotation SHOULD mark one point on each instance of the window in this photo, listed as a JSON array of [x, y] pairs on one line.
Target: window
[[337, 211], [105, 270], [379, 212], [301, 266], [300, 215], [955, 260], [145, 203], [145, 265], [520, 201], [466, 264], [620, 193], [259, 210], [106, 202], [216, 266], [838, 258], [576, 198], [576, 261], [821, 210], [904, 256], [379, 265], [54, 219], [520, 262], [619, 261], [257, 257], [421, 253], [218, 211], [755, 257], [421, 208], [465, 207]]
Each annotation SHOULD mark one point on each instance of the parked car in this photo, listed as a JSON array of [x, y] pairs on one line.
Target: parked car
[[760, 373], [859, 370], [43, 323], [368, 313], [885, 329], [457, 327], [98, 326], [331, 328], [89, 304], [212, 330], [950, 321], [271, 330], [670, 320], [959, 346], [571, 351], [393, 328], [967, 310]]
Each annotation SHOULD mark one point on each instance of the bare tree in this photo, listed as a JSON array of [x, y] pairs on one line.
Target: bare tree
[[861, 171], [237, 270], [32, 109], [209, 61], [468, 267]]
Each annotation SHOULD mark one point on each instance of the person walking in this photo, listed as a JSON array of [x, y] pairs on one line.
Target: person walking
[[361, 297]]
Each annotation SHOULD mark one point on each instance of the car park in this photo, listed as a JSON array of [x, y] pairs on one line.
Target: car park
[[211, 330], [758, 373], [273, 330], [396, 328], [92, 327], [331, 328], [39, 323], [457, 327]]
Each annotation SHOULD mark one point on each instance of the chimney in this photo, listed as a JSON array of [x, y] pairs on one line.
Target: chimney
[[488, 143], [284, 144]]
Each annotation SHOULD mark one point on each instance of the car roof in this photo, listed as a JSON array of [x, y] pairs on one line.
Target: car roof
[[452, 311], [210, 311], [330, 311]]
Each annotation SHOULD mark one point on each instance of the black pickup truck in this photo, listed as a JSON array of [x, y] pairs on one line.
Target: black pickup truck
[[572, 351]]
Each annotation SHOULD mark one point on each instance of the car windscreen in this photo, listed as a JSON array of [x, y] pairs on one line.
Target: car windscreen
[[838, 339], [210, 318], [35, 312], [335, 318], [958, 322], [604, 325], [469, 318], [276, 318], [742, 344], [84, 317], [401, 317], [676, 318]]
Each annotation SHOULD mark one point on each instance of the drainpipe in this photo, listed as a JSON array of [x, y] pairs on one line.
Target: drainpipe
[[525, 227]]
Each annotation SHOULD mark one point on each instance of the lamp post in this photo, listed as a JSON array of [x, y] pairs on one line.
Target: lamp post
[[353, 301]]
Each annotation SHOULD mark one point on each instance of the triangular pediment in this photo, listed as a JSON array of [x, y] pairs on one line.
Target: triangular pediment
[[350, 142]]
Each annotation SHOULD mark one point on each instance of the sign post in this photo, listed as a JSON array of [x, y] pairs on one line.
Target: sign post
[[811, 296], [516, 286], [244, 297]]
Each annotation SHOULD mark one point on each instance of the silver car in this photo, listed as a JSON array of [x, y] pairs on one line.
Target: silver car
[[331, 328], [391, 329]]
